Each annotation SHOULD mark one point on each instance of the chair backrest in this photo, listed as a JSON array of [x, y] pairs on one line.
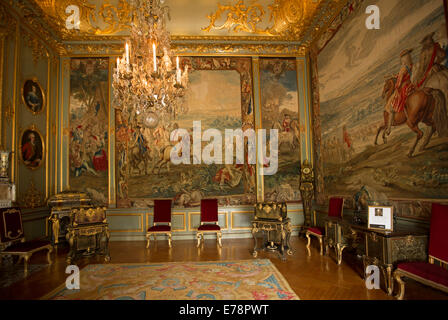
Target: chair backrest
[[11, 228], [335, 207], [162, 210], [438, 240], [209, 210]]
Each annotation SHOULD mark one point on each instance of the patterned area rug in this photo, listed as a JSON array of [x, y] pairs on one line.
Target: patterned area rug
[[224, 280]]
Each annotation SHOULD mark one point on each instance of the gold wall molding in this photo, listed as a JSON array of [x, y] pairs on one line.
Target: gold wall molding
[[240, 49], [3, 34], [38, 50], [33, 197]]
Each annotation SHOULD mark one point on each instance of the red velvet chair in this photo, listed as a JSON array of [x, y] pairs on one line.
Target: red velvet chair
[[429, 273], [162, 214], [12, 237], [209, 220], [335, 208]]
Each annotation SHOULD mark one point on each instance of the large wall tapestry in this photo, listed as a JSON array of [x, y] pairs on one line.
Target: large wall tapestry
[[359, 71], [89, 113], [220, 96], [280, 110]]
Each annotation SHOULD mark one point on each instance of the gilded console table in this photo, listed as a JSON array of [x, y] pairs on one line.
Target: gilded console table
[[276, 236], [88, 233], [381, 248]]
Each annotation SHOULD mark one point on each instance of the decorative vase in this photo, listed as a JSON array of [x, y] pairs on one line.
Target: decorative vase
[[4, 165]]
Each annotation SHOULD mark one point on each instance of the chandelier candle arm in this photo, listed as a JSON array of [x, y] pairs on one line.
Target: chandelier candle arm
[[178, 72], [127, 53], [154, 57]]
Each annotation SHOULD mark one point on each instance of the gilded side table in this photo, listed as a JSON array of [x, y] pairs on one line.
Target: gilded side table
[[276, 236], [333, 237]]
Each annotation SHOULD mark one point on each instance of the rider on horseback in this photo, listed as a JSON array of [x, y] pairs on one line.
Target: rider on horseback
[[403, 87]]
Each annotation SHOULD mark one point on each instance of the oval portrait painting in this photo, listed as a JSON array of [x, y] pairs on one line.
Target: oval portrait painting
[[32, 148], [33, 96]]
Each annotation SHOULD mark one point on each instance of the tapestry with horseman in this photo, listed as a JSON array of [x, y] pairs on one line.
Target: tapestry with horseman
[[383, 104], [280, 110], [89, 114], [219, 95]]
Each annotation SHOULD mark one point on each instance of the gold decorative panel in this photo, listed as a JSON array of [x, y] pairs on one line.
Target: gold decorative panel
[[286, 17]]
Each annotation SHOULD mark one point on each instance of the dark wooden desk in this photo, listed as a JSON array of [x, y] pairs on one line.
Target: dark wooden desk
[[381, 248], [276, 235]]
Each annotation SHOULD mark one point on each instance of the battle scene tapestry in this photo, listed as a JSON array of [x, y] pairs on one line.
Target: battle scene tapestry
[[382, 108], [280, 110], [219, 95], [89, 113]]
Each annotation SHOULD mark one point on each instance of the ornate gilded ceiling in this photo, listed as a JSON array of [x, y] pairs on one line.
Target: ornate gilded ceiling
[[202, 26]]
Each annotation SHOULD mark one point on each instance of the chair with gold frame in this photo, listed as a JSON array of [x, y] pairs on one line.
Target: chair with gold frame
[[12, 236], [162, 214], [209, 221], [429, 273], [335, 208]]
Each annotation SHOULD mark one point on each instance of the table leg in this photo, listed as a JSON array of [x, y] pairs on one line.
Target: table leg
[[254, 234], [390, 280]]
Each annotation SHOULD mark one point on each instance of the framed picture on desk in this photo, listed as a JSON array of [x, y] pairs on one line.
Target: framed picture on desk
[[381, 218]]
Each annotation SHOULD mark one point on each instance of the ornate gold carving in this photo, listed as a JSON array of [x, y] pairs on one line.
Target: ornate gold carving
[[409, 248], [290, 18], [95, 48], [307, 190], [186, 48], [31, 15], [33, 197], [98, 20], [39, 51], [240, 18], [89, 215], [7, 22], [107, 21]]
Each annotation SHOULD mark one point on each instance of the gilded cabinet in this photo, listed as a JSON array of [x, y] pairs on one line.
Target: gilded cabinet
[[88, 233]]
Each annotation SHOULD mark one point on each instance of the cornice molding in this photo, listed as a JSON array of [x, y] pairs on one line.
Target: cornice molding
[[68, 43]]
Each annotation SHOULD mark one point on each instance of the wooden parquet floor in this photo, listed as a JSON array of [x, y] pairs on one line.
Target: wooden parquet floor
[[312, 277]]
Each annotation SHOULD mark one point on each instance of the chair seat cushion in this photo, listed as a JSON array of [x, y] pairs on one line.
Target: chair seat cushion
[[426, 271], [160, 228], [209, 227], [316, 230], [27, 246]]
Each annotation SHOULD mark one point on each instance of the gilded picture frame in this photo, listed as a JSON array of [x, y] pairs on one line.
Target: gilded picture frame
[[32, 148], [33, 96]]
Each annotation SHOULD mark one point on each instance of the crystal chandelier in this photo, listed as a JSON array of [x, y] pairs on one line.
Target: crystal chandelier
[[148, 82]]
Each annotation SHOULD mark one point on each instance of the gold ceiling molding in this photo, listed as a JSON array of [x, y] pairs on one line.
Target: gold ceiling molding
[[26, 12], [289, 18], [107, 19], [283, 27], [7, 22]]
